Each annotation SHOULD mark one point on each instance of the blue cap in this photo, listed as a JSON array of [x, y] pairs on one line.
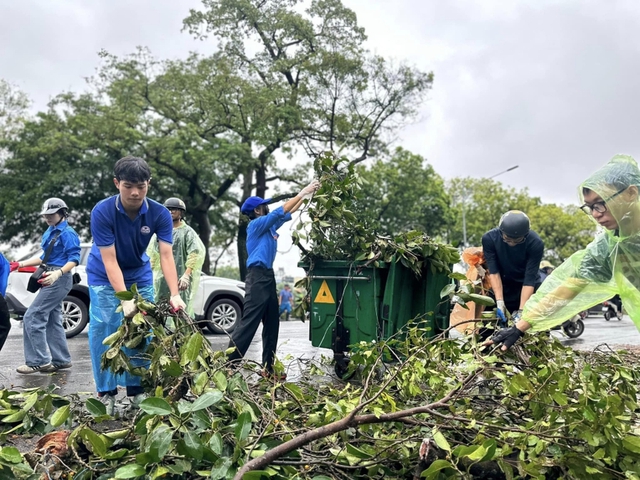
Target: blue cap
[[253, 202]]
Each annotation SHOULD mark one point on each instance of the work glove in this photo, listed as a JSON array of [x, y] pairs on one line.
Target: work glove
[[505, 337], [311, 188], [13, 266], [184, 282], [500, 312], [177, 303], [129, 308], [517, 315], [50, 277]]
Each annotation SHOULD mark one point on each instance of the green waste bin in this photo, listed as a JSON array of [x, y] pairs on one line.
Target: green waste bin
[[407, 297], [351, 302], [345, 299]]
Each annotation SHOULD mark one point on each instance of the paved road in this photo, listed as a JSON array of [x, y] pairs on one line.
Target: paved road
[[294, 344]]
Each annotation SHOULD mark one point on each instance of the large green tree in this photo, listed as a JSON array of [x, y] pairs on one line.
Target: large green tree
[[404, 193], [302, 80]]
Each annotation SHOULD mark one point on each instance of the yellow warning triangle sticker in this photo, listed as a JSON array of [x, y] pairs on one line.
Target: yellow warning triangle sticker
[[324, 294]]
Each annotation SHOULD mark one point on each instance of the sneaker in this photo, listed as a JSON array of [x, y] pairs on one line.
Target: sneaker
[[109, 402], [276, 377], [26, 369], [61, 366]]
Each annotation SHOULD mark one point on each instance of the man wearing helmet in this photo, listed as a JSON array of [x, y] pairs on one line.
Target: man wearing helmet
[[44, 339], [513, 253], [188, 253], [608, 266], [122, 227]]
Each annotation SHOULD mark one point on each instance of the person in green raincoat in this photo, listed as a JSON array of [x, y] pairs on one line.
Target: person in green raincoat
[[609, 265], [188, 252]]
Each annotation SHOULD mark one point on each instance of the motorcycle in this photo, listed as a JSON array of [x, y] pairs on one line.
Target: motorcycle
[[612, 309], [573, 327]]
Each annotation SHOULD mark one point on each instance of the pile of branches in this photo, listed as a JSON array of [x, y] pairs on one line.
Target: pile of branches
[[421, 407]]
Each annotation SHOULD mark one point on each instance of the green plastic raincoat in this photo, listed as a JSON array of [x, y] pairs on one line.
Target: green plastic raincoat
[[609, 265], [188, 252]]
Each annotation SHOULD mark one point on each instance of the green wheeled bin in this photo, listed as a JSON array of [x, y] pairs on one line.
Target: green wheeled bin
[[352, 302], [345, 302]]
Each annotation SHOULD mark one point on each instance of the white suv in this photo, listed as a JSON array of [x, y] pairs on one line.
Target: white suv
[[217, 305]]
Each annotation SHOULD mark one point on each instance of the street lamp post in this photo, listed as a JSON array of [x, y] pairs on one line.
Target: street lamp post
[[464, 198]]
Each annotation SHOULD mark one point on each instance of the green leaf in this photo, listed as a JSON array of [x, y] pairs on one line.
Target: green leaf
[[220, 380], [220, 469], [155, 406], [125, 295], [132, 470], [60, 416], [15, 417], [243, 426], [447, 290], [435, 467], [91, 438], [193, 445], [215, 443], [10, 455], [482, 299], [356, 452], [478, 454], [631, 443], [441, 441], [159, 442], [210, 398], [191, 349], [95, 407]]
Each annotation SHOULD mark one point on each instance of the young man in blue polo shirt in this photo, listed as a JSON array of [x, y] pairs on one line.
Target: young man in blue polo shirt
[[122, 227], [261, 298]]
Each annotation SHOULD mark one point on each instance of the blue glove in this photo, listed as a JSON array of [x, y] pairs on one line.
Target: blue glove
[[502, 318]]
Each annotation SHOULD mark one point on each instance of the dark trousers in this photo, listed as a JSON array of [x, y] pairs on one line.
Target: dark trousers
[[260, 305], [5, 322]]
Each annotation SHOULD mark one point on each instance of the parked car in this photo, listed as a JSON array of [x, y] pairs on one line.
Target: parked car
[[217, 305]]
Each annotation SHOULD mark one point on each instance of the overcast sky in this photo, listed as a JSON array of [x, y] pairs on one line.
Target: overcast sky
[[546, 85]]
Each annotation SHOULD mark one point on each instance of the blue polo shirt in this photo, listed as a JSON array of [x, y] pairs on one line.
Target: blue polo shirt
[[67, 246], [110, 225], [262, 238]]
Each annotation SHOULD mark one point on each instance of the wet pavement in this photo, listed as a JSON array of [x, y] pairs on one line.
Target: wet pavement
[[294, 345]]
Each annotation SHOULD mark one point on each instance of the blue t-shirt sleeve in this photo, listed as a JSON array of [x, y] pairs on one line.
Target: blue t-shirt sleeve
[[489, 252], [275, 218], [71, 244], [534, 257], [164, 230], [102, 228]]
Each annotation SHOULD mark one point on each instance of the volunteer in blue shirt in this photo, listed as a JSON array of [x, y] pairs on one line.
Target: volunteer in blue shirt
[[44, 339], [5, 318], [261, 297], [122, 227], [513, 253]]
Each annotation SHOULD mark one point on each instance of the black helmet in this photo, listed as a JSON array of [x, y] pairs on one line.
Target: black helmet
[[53, 205], [514, 224], [174, 202]]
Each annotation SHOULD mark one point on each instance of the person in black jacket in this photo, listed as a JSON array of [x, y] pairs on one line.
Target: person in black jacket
[[513, 253]]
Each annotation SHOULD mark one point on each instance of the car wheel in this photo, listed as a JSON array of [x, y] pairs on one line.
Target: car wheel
[[223, 316], [75, 316]]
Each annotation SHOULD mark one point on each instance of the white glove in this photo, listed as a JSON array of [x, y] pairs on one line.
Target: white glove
[[500, 305], [50, 277], [184, 282], [129, 308], [177, 303], [311, 188]]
